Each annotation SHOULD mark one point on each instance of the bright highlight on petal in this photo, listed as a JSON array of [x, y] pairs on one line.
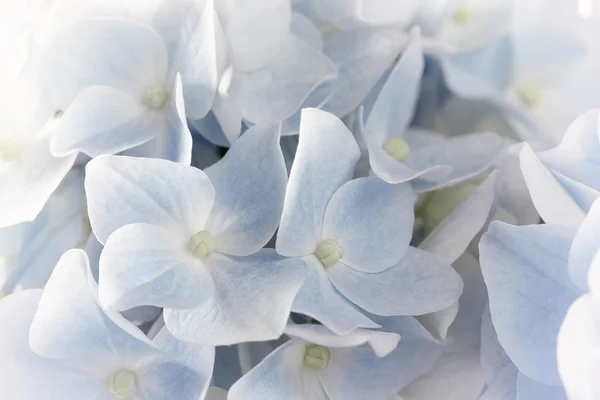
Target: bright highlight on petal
[[329, 252], [122, 384], [316, 357], [202, 244], [397, 148]]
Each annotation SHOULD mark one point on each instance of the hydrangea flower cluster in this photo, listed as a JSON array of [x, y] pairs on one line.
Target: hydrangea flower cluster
[[299, 199]]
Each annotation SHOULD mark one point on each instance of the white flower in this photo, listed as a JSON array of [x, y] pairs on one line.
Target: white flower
[[62, 344]]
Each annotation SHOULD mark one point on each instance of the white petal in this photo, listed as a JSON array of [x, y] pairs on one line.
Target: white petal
[[30, 376], [103, 120], [393, 110], [578, 349], [529, 389], [279, 376], [70, 323], [525, 270], [31, 181], [250, 185], [125, 190], [184, 373], [252, 300], [146, 265], [325, 160], [319, 299], [257, 30], [384, 12], [372, 221], [585, 245], [117, 52], [552, 201], [420, 283], [362, 56], [276, 92], [452, 236]]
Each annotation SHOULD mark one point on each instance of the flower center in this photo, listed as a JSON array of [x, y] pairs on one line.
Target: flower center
[[529, 94], [11, 148], [46, 4], [155, 98], [122, 385], [329, 252], [397, 149], [461, 15], [202, 244], [316, 357]]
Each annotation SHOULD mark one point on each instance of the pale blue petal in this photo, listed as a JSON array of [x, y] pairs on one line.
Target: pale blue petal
[[31, 180], [382, 343], [325, 160], [372, 221], [525, 270], [319, 299], [551, 200], [185, 371], [120, 53], [528, 389], [393, 110], [250, 183], [387, 12], [70, 323], [210, 129], [483, 72], [25, 375], [125, 190], [585, 245], [302, 27], [452, 236], [103, 120], [257, 31], [279, 376], [357, 373], [146, 265], [469, 155], [420, 283], [578, 346], [362, 56], [252, 300], [276, 92]]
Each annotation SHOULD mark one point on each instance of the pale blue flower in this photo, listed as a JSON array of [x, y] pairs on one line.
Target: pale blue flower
[[63, 344], [189, 241], [112, 103], [354, 236], [397, 154], [318, 364]]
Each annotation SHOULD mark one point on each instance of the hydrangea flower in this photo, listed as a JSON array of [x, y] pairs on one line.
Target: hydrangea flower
[[189, 241], [112, 103], [318, 364], [354, 236], [63, 344]]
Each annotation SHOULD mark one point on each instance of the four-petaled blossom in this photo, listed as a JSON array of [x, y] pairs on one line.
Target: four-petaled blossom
[[190, 241], [63, 345]]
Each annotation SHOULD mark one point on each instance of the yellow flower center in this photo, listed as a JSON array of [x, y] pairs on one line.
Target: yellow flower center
[[316, 357], [202, 244], [397, 149], [122, 385], [155, 98], [529, 94], [329, 252]]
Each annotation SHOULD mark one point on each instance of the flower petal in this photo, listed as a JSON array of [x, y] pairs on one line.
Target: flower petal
[[525, 270], [278, 376], [31, 182], [250, 185], [529, 389], [325, 160], [277, 91], [103, 120], [419, 283], [319, 299], [71, 324], [372, 221], [452, 236], [146, 265], [117, 52], [126, 190], [252, 300], [585, 245]]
